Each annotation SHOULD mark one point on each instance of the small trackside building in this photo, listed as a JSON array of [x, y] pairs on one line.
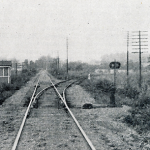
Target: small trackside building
[[5, 71]]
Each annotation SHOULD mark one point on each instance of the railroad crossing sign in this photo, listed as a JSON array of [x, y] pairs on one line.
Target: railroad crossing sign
[[114, 65]]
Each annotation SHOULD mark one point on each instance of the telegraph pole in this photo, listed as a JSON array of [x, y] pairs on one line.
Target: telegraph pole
[[140, 46], [115, 75], [16, 68], [127, 58], [140, 77], [58, 61], [67, 55]]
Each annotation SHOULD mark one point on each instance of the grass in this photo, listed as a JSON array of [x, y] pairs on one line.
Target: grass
[[139, 99], [27, 97], [139, 119], [131, 95], [62, 75], [6, 90]]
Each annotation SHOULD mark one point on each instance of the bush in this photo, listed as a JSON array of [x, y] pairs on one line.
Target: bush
[[139, 118], [1, 99], [6, 90], [131, 92], [140, 112], [143, 99], [61, 74], [128, 119], [104, 85], [6, 94]]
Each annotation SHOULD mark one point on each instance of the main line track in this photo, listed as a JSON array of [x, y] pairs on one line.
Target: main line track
[[51, 119]]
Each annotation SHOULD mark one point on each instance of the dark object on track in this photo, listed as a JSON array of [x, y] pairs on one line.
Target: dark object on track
[[87, 106]]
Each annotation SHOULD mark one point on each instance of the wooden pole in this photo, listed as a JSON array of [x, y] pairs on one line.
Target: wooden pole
[[140, 75], [67, 56], [115, 76], [16, 69], [127, 59]]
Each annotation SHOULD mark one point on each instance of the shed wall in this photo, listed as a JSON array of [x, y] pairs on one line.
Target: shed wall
[[5, 74], [3, 79]]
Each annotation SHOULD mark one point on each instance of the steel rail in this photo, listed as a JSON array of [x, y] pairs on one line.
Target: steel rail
[[40, 93], [24, 119], [75, 120]]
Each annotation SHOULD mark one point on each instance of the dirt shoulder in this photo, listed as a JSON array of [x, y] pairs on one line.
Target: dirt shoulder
[[12, 112], [104, 126]]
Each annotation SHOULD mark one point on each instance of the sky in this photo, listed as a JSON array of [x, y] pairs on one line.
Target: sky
[[33, 28]]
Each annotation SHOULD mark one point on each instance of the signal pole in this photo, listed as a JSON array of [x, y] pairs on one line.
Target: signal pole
[[140, 46]]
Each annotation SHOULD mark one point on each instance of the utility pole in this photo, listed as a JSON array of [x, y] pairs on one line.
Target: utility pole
[[115, 75], [16, 68], [127, 58], [58, 61], [140, 47], [67, 56], [46, 63]]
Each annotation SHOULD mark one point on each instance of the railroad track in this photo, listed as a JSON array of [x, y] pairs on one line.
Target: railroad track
[[48, 125]]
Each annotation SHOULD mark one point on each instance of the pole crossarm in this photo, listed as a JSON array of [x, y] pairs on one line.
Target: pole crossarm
[[141, 52], [140, 38], [138, 45], [138, 41], [138, 48], [141, 35], [138, 31]]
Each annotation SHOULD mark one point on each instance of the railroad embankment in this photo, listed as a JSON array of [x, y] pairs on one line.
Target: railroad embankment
[[12, 111], [17, 81], [104, 126]]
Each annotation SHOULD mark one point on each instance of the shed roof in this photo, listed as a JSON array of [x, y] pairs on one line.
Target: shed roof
[[5, 63]]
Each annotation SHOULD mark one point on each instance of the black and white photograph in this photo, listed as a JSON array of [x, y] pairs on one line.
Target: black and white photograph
[[74, 75]]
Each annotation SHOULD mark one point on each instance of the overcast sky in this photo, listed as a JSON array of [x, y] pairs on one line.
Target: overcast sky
[[32, 28]]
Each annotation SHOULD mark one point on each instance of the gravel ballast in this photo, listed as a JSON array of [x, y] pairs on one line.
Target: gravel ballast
[[103, 126]]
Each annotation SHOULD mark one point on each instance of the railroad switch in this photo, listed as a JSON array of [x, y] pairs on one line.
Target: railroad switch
[[37, 86]]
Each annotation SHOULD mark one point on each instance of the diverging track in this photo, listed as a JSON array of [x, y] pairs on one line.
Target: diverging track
[[49, 127]]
